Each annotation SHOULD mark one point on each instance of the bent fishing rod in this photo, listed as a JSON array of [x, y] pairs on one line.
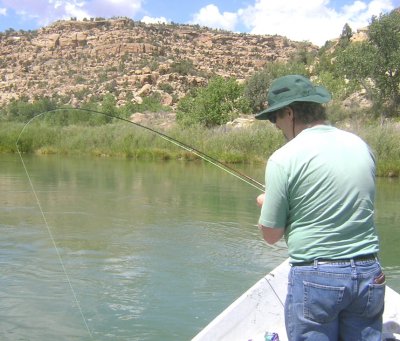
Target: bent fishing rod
[[247, 179]]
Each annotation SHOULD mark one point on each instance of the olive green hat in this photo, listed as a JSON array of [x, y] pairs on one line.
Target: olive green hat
[[292, 88]]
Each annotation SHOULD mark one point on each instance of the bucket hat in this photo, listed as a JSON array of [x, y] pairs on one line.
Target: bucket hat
[[292, 88]]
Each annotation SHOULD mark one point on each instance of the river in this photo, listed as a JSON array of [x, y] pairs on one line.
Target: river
[[110, 249]]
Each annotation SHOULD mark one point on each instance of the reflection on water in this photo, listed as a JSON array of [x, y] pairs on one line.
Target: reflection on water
[[153, 250], [388, 223]]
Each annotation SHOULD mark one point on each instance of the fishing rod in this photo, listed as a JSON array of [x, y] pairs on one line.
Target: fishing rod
[[247, 179]]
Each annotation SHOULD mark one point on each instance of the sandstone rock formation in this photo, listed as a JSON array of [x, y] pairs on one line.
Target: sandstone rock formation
[[78, 60]]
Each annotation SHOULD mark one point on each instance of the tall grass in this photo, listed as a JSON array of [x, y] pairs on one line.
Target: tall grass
[[247, 145], [124, 140], [385, 143]]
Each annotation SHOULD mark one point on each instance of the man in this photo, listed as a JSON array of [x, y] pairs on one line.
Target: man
[[320, 189]]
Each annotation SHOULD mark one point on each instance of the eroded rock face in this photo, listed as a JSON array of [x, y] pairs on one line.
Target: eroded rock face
[[82, 59]]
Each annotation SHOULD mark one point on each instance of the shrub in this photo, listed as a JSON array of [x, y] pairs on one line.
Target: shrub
[[256, 87], [216, 104]]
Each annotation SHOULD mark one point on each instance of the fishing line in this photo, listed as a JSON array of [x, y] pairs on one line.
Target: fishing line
[[232, 171], [274, 291], [245, 178], [54, 243]]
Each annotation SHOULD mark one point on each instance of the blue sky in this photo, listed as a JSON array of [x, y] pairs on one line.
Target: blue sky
[[311, 20]]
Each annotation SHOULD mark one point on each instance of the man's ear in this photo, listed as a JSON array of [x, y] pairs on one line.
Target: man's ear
[[290, 113]]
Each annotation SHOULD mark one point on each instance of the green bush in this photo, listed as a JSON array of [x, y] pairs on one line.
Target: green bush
[[374, 63], [22, 110], [183, 67], [257, 85], [216, 104]]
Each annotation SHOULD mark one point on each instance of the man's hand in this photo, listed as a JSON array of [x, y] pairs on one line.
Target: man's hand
[[260, 200]]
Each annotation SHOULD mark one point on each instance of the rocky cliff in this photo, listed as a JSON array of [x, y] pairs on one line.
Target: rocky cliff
[[79, 60]]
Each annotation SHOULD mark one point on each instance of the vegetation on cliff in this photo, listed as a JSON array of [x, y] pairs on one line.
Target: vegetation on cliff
[[363, 77]]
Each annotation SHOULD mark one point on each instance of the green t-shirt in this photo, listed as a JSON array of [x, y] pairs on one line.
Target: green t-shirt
[[320, 187]]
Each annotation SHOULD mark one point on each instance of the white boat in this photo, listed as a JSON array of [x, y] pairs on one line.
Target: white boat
[[261, 309]]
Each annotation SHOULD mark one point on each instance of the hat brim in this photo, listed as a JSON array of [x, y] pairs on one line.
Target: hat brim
[[322, 96]]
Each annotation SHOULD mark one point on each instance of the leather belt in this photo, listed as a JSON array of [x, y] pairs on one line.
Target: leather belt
[[371, 256]]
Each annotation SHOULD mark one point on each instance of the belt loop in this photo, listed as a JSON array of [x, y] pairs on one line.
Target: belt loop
[[352, 263], [315, 263]]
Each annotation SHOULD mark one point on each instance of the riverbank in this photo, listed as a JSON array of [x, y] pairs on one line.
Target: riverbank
[[252, 144]]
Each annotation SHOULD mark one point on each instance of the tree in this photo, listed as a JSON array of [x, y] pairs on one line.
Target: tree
[[384, 36], [184, 67], [256, 87], [22, 110], [374, 63], [216, 104], [346, 35], [355, 63]]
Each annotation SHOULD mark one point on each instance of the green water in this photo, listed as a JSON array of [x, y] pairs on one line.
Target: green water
[[106, 249]]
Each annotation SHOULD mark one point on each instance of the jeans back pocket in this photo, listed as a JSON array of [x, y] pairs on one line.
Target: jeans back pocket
[[322, 303]]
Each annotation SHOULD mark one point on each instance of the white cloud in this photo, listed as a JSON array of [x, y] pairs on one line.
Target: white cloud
[[210, 16], [355, 8], [73, 9], [313, 20], [108, 8], [360, 13], [47, 11], [150, 20], [60, 9]]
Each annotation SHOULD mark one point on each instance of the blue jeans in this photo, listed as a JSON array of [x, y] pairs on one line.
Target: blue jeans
[[335, 301]]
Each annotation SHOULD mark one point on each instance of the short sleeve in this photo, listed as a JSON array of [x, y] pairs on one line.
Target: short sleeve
[[275, 209]]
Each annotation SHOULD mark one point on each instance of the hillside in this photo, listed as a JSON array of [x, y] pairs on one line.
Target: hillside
[[79, 60]]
